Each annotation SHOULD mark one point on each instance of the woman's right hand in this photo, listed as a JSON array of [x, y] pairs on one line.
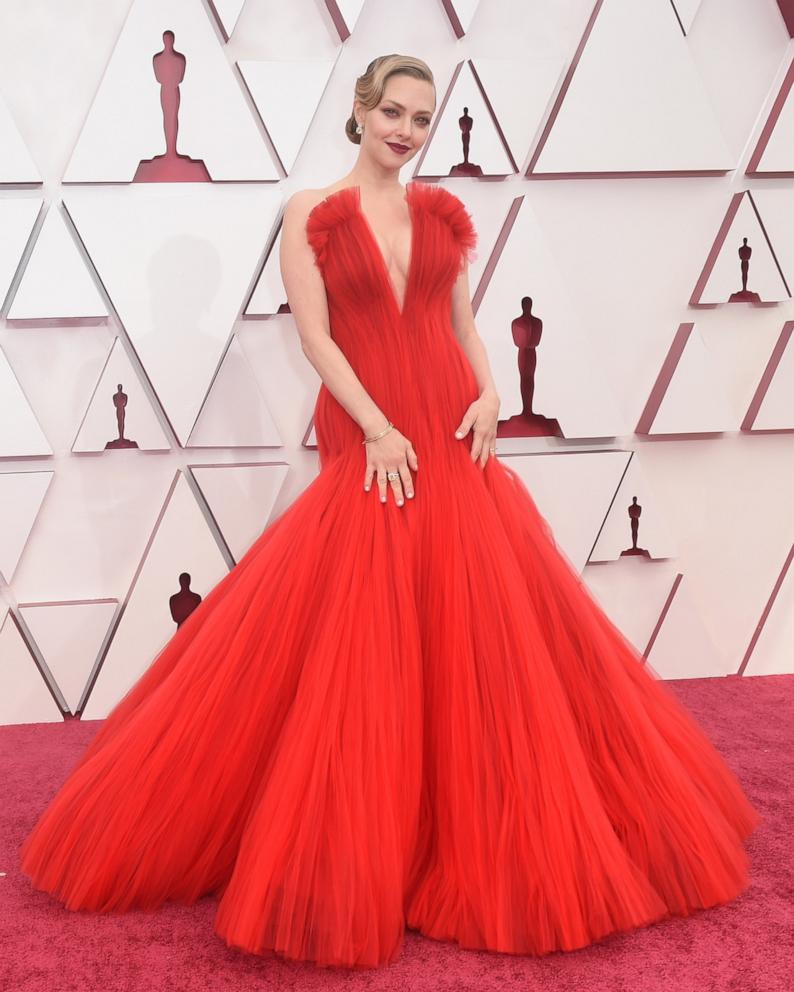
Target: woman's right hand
[[391, 453]]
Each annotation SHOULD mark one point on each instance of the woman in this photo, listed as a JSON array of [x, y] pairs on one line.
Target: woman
[[402, 710]]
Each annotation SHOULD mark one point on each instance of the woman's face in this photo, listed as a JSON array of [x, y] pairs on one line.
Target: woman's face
[[398, 126]]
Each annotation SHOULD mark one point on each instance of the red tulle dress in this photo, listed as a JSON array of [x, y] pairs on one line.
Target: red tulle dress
[[388, 717]]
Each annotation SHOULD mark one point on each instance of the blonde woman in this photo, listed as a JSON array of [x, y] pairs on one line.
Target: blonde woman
[[402, 708]]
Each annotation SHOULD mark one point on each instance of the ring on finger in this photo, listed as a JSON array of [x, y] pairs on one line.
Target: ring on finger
[[392, 475]]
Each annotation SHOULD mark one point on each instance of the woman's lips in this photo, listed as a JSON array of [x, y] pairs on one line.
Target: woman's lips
[[400, 149]]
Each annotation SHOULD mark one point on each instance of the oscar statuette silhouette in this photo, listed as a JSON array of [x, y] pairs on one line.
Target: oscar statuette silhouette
[[183, 603], [120, 403], [634, 511], [465, 168], [169, 71], [527, 331], [744, 295]]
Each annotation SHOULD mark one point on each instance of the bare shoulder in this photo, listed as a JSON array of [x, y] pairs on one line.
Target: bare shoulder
[[301, 203]]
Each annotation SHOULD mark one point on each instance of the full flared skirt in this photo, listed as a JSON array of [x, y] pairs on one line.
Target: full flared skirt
[[394, 716]]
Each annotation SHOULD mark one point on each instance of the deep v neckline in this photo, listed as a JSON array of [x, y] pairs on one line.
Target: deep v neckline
[[376, 247]]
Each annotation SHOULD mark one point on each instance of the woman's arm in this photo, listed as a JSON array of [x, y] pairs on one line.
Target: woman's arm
[[466, 332], [309, 306]]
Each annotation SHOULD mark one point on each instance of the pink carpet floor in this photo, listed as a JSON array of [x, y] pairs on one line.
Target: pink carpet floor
[[746, 946]]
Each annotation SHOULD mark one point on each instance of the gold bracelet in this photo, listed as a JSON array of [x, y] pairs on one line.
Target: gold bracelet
[[376, 436]]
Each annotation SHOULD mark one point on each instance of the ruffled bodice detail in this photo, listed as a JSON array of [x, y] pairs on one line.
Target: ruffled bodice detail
[[339, 207]]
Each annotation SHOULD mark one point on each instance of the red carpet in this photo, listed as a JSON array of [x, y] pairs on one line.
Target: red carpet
[[747, 946]]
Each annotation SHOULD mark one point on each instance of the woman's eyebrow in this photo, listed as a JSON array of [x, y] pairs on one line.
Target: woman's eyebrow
[[428, 112]]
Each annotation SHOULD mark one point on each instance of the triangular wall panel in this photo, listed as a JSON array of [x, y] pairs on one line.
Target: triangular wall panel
[[633, 102], [181, 542], [654, 534], [443, 151], [285, 378], [21, 497], [235, 413], [56, 282], [125, 123], [69, 636], [774, 208], [269, 294], [520, 120], [688, 396], [17, 218], [20, 431], [772, 405], [742, 233], [633, 593], [287, 121], [24, 696], [177, 261], [772, 155], [241, 497], [573, 492], [570, 385], [769, 651], [16, 164], [682, 623], [103, 426]]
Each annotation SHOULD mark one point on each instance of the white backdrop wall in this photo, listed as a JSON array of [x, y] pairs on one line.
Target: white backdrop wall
[[614, 193]]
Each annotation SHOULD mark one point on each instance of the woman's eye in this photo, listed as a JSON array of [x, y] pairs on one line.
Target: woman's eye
[[390, 110]]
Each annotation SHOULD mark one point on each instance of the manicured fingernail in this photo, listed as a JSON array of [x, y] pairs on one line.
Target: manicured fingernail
[[399, 502], [458, 434], [383, 499], [410, 495], [366, 488]]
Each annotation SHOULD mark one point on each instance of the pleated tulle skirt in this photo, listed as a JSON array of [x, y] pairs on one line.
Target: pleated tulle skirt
[[388, 716]]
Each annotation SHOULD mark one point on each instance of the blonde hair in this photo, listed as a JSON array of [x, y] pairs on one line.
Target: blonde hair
[[371, 84]]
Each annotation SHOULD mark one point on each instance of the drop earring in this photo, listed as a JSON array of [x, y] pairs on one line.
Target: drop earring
[[359, 129]]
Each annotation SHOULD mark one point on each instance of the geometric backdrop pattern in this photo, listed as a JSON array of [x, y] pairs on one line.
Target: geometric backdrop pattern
[[634, 201]]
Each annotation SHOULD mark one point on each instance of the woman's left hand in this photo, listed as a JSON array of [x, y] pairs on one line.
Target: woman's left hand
[[483, 417]]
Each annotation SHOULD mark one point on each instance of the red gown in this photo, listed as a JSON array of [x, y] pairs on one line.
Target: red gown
[[394, 716]]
